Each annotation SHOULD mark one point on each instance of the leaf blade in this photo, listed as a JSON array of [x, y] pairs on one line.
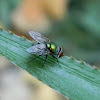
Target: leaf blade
[[74, 79]]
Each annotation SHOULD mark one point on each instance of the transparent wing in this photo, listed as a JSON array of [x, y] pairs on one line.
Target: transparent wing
[[38, 37], [39, 49]]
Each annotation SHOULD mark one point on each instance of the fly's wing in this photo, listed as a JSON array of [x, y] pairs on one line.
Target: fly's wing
[[39, 49], [38, 37]]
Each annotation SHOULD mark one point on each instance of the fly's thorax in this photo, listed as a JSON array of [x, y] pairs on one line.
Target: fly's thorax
[[53, 48]]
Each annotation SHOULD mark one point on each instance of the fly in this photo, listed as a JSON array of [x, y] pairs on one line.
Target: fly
[[43, 46]]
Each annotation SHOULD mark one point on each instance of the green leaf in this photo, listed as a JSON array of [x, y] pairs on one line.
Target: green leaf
[[73, 79]]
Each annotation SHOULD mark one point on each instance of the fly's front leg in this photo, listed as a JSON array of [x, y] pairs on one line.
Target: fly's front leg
[[56, 59]]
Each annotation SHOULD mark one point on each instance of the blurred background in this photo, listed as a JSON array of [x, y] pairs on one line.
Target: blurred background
[[73, 24]]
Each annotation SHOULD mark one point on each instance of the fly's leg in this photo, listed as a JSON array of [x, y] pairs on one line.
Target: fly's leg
[[56, 59], [34, 58], [35, 43], [38, 57], [45, 60]]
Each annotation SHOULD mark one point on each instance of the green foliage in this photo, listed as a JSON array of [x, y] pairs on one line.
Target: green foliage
[[6, 9], [73, 79]]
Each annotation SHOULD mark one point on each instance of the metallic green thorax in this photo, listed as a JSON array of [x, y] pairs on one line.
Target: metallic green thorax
[[53, 47], [48, 45]]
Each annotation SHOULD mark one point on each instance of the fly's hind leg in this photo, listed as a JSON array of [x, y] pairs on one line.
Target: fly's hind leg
[[34, 59], [45, 60]]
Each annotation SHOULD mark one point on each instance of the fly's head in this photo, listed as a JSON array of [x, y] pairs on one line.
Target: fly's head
[[60, 53]]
